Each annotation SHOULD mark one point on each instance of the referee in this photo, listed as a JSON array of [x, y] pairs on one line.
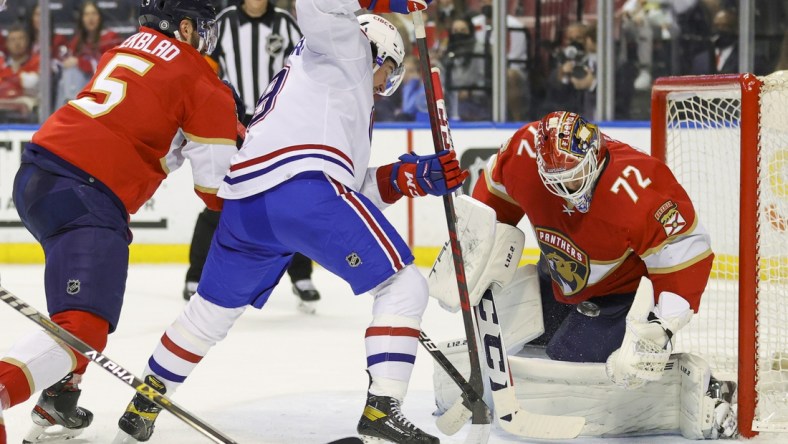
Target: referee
[[255, 38]]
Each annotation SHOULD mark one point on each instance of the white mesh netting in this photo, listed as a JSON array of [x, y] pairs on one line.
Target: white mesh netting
[[703, 150]]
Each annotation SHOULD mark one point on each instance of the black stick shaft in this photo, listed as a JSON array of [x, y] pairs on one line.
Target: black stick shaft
[[114, 368], [480, 411]]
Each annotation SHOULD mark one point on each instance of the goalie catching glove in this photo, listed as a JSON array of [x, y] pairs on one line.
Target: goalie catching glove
[[648, 343], [401, 6]]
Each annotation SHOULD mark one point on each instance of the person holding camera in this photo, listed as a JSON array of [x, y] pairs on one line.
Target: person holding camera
[[464, 62], [572, 83]]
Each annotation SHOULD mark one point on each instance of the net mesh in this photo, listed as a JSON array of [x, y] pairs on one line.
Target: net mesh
[[703, 151]]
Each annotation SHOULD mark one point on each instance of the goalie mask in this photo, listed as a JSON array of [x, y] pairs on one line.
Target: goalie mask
[[386, 43], [165, 16], [569, 154]]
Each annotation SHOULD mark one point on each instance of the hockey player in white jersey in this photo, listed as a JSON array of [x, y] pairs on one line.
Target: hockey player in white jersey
[[301, 183]]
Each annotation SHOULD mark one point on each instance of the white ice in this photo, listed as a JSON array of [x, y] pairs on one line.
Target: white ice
[[280, 377]]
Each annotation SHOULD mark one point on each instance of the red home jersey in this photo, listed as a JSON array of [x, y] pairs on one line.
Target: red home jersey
[[640, 223], [120, 128]]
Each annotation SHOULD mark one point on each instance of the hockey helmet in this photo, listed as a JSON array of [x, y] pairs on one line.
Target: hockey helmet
[[569, 156], [386, 43], [165, 16]]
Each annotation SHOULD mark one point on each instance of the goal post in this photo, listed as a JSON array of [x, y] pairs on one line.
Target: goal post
[[725, 138]]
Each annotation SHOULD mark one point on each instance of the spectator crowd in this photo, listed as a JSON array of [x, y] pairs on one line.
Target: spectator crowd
[[551, 52]]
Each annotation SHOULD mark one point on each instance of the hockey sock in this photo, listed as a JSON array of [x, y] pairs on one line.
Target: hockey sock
[[34, 363], [391, 342], [90, 328], [198, 328]]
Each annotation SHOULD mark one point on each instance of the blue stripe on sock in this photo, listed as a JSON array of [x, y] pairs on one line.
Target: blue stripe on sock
[[163, 372], [384, 357]]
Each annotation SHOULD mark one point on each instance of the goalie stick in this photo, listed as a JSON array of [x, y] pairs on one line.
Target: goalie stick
[[113, 367], [507, 409], [480, 413]]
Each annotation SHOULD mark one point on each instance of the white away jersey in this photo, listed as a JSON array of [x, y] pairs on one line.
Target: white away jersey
[[316, 114]]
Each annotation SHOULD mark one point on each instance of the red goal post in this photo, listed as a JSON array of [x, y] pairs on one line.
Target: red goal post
[[725, 137]]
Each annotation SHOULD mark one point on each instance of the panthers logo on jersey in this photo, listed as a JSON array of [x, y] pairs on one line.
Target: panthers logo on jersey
[[568, 264]]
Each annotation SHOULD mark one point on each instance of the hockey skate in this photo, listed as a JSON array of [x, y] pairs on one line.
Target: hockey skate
[[307, 294], [383, 422], [137, 423], [189, 289], [725, 424], [56, 415]]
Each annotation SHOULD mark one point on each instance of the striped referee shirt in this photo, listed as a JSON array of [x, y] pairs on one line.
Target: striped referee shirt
[[252, 49]]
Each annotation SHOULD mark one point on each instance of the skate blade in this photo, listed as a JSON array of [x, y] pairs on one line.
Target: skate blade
[[51, 433], [307, 307], [124, 438], [374, 440]]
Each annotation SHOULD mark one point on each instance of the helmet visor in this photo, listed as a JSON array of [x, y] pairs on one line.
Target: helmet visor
[[393, 81], [209, 34]]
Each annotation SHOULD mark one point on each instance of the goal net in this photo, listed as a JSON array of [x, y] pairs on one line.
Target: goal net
[[726, 140]]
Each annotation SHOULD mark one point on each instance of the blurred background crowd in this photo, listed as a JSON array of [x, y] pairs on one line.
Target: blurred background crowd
[[552, 56]]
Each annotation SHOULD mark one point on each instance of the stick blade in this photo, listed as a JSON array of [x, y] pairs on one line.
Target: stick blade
[[451, 421], [534, 425]]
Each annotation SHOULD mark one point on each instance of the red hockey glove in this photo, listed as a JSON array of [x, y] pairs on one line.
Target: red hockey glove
[[436, 174], [401, 6]]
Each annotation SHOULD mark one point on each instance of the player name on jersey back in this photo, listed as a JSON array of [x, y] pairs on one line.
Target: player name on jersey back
[[152, 44]]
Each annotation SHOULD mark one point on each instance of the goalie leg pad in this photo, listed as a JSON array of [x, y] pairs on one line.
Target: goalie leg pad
[[490, 250], [582, 389], [446, 390], [476, 224], [705, 415], [519, 307]]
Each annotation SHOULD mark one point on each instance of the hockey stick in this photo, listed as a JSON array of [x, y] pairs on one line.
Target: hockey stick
[[480, 413], [112, 367], [510, 417], [452, 420]]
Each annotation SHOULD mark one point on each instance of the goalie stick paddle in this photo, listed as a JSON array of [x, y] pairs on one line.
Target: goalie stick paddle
[[507, 409], [480, 413], [113, 368]]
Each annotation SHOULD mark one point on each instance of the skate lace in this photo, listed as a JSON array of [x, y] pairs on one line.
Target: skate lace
[[397, 413]]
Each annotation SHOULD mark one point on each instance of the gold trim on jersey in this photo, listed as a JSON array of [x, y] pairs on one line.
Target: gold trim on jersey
[[495, 188], [681, 266], [617, 263], [209, 140], [206, 190], [164, 167]]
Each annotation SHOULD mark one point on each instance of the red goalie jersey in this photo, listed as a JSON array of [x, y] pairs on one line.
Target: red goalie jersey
[[120, 129], [640, 223]]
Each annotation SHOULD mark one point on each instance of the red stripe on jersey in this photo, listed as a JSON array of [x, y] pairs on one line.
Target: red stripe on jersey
[[392, 331], [178, 351], [279, 152], [373, 224]]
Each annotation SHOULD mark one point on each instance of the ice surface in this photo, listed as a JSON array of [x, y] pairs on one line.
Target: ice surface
[[280, 377]]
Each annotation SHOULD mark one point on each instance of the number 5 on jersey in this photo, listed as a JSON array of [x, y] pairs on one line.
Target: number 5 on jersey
[[114, 89]]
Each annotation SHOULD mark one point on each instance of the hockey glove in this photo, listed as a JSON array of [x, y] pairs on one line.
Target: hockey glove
[[401, 6], [435, 174], [647, 345]]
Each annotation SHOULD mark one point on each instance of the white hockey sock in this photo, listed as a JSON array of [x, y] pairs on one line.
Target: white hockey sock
[[43, 359], [391, 342], [198, 328]]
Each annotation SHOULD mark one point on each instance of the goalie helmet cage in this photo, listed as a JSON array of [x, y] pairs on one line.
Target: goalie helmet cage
[[725, 137]]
